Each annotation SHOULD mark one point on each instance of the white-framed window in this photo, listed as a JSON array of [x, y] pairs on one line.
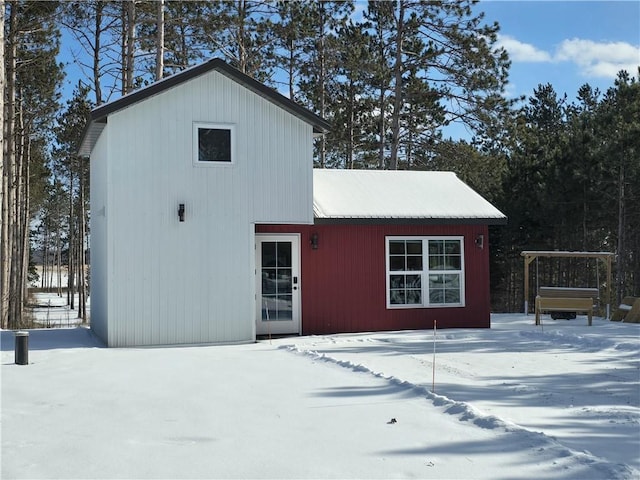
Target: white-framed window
[[425, 272], [213, 144]]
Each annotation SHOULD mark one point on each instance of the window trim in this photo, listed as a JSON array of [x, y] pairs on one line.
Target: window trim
[[424, 273], [195, 140]]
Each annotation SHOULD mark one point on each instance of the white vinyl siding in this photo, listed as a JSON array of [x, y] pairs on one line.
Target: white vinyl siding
[[424, 272]]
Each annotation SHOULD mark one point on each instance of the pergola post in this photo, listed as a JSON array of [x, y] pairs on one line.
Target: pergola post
[[608, 286], [527, 261]]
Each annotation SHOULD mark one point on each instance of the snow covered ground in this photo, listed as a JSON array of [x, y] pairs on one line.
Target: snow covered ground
[[561, 401], [52, 310], [53, 277]]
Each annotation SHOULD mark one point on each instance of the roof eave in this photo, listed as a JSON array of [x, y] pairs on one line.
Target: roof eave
[[92, 131], [409, 221]]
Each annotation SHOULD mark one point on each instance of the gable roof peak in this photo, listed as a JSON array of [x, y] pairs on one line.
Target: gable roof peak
[[99, 115]]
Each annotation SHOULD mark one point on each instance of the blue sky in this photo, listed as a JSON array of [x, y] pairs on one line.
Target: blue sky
[[566, 43]]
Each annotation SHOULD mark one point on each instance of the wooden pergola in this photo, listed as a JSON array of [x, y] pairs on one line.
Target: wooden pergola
[[531, 255]]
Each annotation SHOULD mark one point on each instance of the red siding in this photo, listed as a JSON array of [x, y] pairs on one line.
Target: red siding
[[343, 281]]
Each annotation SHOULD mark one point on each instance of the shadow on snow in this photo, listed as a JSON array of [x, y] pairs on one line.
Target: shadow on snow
[[52, 339]]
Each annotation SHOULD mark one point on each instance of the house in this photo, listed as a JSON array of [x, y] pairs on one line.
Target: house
[[210, 225]]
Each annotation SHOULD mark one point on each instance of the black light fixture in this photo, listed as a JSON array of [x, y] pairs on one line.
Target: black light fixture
[[181, 212], [480, 241], [314, 241]]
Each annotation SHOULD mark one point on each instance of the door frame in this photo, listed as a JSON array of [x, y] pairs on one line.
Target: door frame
[[280, 327]]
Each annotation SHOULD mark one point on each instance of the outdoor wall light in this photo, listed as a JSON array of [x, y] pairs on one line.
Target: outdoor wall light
[[314, 241], [480, 241], [181, 212]]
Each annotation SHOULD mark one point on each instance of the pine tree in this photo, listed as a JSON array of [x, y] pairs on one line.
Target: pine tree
[[445, 47], [32, 78], [380, 18], [320, 71], [183, 41], [293, 30], [351, 142], [91, 24], [619, 114], [69, 129], [242, 33]]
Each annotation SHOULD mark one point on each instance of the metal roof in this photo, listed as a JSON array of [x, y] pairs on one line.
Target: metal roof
[[398, 196], [98, 117]]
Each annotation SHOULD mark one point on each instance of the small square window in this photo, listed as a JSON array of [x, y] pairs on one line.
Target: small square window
[[213, 143]]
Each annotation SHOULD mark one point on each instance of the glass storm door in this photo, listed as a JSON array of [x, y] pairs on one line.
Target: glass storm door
[[277, 284]]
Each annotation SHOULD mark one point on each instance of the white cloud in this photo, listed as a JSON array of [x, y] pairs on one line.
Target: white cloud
[[594, 59], [522, 52], [599, 59]]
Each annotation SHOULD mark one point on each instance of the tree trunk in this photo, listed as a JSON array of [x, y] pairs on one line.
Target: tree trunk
[[26, 215], [79, 269], [71, 241], [45, 254], [8, 186], [131, 14], [128, 44], [622, 260], [58, 258], [15, 281], [350, 126], [585, 213], [290, 71], [240, 35], [96, 53], [160, 41], [82, 306], [381, 131], [397, 101], [322, 81], [4, 277], [123, 47]]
